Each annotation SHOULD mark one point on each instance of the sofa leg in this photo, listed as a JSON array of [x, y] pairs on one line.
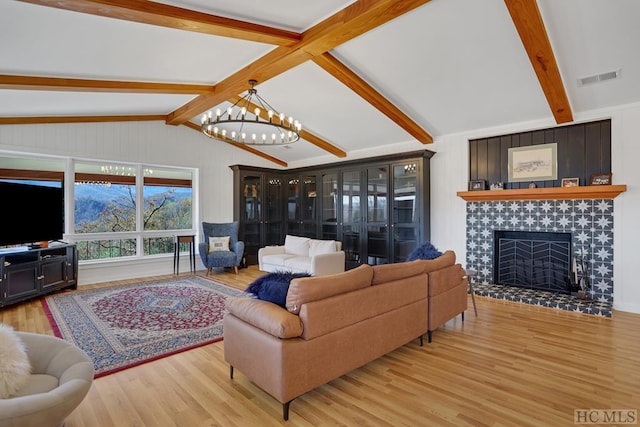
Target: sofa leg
[[231, 371], [208, 270], [285, 411], [463, 316], [421, 341], [235, 268], [429, 336]]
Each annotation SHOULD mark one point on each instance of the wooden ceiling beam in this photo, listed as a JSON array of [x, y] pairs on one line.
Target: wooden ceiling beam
[[528, 22], [350, 22], [84, 85], [304, 134], [354, 82], [244, 147], [154, 13], [78, 119]]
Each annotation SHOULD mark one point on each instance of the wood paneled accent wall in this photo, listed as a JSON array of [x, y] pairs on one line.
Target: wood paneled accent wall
[[583, 149]]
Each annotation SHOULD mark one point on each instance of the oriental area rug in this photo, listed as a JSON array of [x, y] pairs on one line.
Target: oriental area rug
[[123, 326]]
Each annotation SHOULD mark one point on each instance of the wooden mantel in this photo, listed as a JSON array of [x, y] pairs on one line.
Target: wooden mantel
[[551, 193]]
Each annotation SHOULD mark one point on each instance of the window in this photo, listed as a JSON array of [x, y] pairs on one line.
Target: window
[[108, 223], [119, 210]]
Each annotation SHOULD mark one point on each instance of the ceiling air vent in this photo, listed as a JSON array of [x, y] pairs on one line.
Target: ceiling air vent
[[599, 77]]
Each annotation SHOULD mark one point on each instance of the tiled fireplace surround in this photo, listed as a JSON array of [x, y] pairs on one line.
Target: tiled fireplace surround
[[590, 221]]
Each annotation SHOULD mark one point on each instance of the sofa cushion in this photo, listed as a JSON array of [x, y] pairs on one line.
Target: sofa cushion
[[219, 243], [277, 259], [298, 263], [296, 245], [448, 258], [308, 289], [15, 368], [319, 247], [273, 287], [389, 272], [266, 316]]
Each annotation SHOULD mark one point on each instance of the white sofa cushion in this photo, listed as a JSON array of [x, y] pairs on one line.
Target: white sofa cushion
[[299, 264], [319, 247], [277, 259], [296, 245]]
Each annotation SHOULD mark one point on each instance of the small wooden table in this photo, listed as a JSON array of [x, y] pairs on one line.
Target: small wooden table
[[191, 241]]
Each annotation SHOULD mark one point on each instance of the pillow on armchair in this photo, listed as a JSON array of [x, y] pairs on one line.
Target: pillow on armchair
[[15, 368], [219, 243]]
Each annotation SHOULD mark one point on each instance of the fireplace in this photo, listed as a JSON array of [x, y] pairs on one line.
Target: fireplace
[[586, 223], [533, 260]]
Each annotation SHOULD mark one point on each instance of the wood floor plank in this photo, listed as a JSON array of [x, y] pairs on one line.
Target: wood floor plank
[[514, 364]]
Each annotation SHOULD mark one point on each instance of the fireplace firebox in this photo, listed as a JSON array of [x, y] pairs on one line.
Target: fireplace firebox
[[533, 260]]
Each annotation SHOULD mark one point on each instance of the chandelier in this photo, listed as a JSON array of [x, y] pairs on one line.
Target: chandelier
[[252, 121]]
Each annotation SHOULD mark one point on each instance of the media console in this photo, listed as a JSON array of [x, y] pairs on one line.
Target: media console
[[30, 273]]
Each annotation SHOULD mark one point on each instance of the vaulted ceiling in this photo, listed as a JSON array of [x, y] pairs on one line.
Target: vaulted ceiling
[[357, 74]]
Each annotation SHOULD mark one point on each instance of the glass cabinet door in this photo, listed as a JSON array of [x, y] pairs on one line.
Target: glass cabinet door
[[273, 219], [308, 197], [405, 221], [351, 217], [377, 215], [251, 207], [301, 206], [293, 206], [330, 206]]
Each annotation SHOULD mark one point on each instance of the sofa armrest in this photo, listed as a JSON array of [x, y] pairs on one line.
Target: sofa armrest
[[324, 264], [238, 249], [266, 316], [268, 250], [203, 250]]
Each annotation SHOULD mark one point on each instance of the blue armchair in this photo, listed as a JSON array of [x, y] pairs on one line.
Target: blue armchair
[[216, 251]]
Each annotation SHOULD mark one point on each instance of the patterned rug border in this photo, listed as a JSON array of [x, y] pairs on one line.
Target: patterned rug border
[[50, 304]]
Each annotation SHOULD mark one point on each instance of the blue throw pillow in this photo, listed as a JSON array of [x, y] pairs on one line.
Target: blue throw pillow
[[273, 287], [426, 251]]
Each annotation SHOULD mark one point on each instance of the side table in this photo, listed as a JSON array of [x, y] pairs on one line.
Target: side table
[[189, 240], [470, 274]]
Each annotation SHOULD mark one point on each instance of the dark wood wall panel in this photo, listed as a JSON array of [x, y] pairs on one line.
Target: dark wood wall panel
[[583, 149]]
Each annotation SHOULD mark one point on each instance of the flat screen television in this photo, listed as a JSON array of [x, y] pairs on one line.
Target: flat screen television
[[30, 213]]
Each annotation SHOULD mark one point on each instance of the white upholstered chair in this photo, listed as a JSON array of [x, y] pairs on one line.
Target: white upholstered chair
[[61, 376]]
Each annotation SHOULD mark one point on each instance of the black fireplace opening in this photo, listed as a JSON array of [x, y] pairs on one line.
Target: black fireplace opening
[[533, 260]]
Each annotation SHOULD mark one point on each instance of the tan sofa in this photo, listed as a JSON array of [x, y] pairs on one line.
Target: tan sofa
[[303, 255], [334, 324], [447, 290]]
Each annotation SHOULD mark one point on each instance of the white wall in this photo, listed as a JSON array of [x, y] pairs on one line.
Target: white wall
[[157, 143]]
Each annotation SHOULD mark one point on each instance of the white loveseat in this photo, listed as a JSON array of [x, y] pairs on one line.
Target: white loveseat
[[303, 255]]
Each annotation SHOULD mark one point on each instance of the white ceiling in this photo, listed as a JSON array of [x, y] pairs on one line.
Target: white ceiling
[[450, 65]]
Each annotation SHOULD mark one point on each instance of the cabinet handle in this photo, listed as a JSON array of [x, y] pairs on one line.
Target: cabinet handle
[[41, 277]]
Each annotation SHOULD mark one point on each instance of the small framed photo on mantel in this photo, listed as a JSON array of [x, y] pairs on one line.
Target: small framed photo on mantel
[[600, 179], [477, 185], [570, 182]]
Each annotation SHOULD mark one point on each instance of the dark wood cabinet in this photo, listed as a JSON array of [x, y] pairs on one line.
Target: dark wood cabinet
[[258, 206], [27, 274], [377, 207]]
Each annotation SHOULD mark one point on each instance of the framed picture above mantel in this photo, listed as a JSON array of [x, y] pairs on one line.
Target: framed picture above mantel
[[582, 149], [533, 163]]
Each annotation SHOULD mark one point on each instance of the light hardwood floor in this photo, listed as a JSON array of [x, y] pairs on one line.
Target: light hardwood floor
[[513, 365]]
